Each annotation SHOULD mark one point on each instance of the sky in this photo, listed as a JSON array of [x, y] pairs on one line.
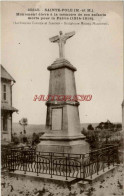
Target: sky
[[95, 50]]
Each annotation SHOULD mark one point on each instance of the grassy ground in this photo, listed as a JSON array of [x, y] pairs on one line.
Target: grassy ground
[[110, 186]]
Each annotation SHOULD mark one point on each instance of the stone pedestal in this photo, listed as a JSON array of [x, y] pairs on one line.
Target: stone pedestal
[[62, 122]]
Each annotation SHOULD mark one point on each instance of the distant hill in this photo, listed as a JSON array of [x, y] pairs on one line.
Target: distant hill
[[36, 128]]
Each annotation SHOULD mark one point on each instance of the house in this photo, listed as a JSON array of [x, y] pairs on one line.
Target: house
[[7, 109], [123, 115]]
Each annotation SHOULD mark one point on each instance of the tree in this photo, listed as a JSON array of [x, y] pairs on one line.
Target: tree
[[106, 125], [84, 131], [35, 139], [15, 139], [119, 126], [90, 127]]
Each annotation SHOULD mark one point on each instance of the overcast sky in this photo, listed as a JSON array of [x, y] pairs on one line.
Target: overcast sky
[[96, 52]]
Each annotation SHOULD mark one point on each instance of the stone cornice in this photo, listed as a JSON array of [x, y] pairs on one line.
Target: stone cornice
[[61, 63], [62, 138], [60, 103]]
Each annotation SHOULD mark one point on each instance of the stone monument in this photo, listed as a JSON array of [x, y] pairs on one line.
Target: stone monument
[[63, 132]]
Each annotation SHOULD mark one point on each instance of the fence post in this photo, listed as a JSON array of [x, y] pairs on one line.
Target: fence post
[[66, 168], [117, 156], [108, 159], [103, 159], [51, 168], [69, 165], [80, 164], [114, 156], [91, 164], [12, 161], [37, 164], [83, 167], [97, 163], [24, 162]]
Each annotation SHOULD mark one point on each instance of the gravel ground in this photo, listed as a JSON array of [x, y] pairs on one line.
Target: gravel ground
[[112, 185]]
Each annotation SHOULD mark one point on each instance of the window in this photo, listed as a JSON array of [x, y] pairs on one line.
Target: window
[[4, 92], [5, 123]]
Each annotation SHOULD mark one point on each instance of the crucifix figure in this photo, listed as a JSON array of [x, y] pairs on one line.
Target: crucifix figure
[[61, 40]]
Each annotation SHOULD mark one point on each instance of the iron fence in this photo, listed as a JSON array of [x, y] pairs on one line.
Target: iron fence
[[67, 165]]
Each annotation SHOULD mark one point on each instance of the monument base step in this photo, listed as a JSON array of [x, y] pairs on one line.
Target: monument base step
[[73, 147]]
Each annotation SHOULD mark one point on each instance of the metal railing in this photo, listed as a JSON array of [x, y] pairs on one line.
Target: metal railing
[[67, 165]]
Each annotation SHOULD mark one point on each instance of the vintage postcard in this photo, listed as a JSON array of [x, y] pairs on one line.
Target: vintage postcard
[[62, 104]]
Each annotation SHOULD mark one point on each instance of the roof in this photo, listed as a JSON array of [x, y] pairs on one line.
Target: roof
[[8, 107], [6, 75]]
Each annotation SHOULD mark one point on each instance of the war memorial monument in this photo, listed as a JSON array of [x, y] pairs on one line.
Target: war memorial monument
[[63, 131]]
